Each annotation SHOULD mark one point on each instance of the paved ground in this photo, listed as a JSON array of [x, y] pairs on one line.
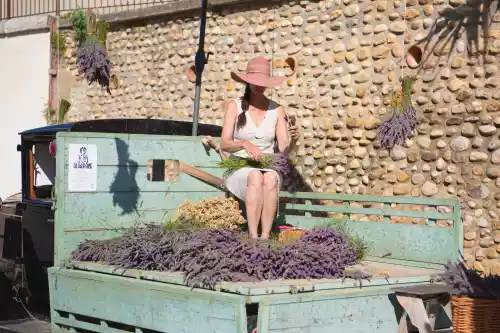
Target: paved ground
[[24, 326]]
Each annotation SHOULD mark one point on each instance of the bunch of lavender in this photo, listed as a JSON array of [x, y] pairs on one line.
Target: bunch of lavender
[[210, 256], [468, 282], [92, 60], [397, 128], [278, 162]]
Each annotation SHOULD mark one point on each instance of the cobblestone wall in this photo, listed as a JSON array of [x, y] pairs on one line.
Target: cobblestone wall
[[347, 57]]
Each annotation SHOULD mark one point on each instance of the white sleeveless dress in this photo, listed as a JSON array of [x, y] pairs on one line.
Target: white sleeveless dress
[[264, 137]]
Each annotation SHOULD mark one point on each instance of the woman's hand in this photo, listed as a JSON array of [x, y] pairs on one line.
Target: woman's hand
[[292, 128], [252, 150], [294, 132]]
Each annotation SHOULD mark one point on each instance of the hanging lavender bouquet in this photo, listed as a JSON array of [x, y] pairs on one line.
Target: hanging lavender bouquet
[[397, 128], [278, 162], [93, 61], [91, 57]]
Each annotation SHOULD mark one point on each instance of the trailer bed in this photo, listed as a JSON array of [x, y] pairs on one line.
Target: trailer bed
[[87, 296], [383, 274]]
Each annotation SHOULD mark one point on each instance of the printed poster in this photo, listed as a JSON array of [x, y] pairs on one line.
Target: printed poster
[[82, 168]]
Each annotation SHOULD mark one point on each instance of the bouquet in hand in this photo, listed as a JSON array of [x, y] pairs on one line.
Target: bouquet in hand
[[278, 162]]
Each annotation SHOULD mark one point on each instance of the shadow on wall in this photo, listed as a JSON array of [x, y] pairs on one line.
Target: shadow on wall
[[124, 187], [472, 19]]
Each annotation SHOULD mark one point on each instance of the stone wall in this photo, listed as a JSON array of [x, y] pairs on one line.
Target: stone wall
[[348, 56]]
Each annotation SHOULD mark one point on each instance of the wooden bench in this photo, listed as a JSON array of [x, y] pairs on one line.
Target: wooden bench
[[420, 305]]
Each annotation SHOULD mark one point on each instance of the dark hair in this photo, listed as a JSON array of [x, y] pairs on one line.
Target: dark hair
[[245, 102]]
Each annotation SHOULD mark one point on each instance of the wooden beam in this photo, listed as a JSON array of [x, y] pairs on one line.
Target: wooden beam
[[52, 102]]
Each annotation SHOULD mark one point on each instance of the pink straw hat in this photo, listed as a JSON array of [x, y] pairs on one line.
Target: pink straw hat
[[259, 74]]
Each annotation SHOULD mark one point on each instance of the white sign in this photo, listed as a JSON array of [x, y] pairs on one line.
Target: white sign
[[82, 168]]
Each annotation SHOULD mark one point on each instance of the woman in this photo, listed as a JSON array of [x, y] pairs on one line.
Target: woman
[[253, 125]]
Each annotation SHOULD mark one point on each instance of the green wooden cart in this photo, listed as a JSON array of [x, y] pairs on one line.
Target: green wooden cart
[[93, 297]]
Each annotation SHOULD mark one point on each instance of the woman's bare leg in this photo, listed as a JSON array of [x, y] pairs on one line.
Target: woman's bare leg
[[253, 201], [270, 202]]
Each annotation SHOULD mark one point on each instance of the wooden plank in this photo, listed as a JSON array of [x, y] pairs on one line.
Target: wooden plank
[[109, 179], [201, 175], [372, 198], [60, 252], [136, 150], [368, 211], [428, 290], [415, 309], [84, 206], [418, 243], [143, 304], [356, 313], [263, 288]]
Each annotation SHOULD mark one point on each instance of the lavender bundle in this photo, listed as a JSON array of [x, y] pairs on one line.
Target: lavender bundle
[[468, 282], [210, 256], [92, 60], [278, 162], [397, 128]]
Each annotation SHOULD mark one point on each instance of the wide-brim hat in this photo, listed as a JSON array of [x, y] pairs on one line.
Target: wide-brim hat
[[258, 73]]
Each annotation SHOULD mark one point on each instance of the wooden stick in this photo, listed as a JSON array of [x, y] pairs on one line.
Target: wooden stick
[[31, 186], [200, 174]]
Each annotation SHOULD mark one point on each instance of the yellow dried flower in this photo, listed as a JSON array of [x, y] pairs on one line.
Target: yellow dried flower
[[212, 213]]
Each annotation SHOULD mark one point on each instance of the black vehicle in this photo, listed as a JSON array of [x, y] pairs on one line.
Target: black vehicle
[[27, 222]]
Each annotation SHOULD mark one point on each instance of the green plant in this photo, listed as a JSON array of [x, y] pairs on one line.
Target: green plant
[[58, 43], [360, 245], [49, 113], [79, 22], [102, 29], [67, 16], [64, 106]]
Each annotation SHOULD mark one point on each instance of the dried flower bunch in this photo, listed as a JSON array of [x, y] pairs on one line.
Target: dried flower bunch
[[278, 162], [468, 282], [210, 256], [91, 57], [211, 213], [398, 127]]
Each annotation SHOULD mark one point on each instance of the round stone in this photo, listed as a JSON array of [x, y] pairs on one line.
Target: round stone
[[398, 153], [418, 179], [495, 157], [461, 143], [487, 130], [429, 189]]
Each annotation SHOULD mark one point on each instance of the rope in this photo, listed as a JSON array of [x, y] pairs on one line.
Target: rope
[[404, 38], [272, 48]]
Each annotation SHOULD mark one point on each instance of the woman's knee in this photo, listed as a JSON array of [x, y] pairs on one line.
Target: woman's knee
[[270, 180], [255, 178]]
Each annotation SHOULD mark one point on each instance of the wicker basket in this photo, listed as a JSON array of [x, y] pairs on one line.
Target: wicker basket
[[471, 315]]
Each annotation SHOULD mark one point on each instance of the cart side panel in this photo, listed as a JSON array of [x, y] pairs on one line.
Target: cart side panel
[[97, 302], [124, 196], [420, 232], [365, 311]]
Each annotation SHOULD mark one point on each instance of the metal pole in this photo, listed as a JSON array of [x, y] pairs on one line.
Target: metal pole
[[199, 62]]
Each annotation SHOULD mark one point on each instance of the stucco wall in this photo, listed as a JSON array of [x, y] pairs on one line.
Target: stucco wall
[[24, 64]]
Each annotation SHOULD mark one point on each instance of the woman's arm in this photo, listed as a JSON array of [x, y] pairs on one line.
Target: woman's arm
[[282, 131], [228, 144]]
